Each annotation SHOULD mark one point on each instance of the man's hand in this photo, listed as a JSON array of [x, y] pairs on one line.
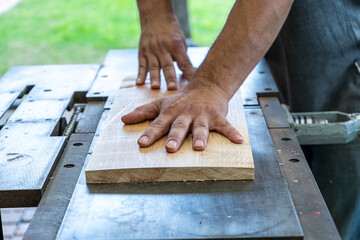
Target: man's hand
[[189, 110], [161, 43], [202, 106]]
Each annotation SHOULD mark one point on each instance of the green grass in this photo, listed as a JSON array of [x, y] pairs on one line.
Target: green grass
[[82, 31]]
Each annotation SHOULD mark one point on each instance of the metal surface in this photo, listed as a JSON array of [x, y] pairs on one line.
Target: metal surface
[[273, 112], [53, 204], [313, 213], [310, 206], [25, 167], [28, 152], [189, 210], [167, 210], [90, 117]]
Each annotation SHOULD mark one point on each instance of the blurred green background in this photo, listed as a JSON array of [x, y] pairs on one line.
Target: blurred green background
[[82, 31]]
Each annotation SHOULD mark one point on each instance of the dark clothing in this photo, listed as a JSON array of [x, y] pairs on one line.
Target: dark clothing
[[313, 63]]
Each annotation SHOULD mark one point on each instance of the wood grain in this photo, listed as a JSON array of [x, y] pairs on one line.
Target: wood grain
[[118, 158]]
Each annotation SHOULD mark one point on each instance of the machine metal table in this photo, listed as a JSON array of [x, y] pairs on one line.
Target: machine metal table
[[41, 167]]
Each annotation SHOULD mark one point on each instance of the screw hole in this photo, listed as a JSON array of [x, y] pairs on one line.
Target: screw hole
[[47, 90], [104, 76], [261, 72], [31, 100], [286, 139], [248, 99], [69, 166], [294, 160], [12, 91], [267, 89], [77, 144], [96, 93], [253, 113]]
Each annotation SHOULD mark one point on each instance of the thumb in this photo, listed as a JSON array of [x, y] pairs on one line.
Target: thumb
[[185, 65], [145, 112]]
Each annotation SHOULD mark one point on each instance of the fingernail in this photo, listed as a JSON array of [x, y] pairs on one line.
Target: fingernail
[[171, 144], [239, 137], [199, 143], [138, 80], [155, 84], [144, 140], [171, 85]]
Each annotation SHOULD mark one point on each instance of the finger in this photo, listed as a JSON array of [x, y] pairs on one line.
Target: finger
[[225, 128], [158, 128], [154, 69], [167, 65], [184, 63], [177, 134], [142, 113], [142, 70], [200, 133]]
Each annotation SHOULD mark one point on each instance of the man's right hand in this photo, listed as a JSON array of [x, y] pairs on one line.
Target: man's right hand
[[161, 43]]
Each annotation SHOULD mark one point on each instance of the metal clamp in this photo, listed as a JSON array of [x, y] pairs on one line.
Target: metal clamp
[[313, 128]]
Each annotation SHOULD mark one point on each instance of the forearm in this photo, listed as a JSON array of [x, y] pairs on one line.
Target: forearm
[[152, 9], [248, 33]]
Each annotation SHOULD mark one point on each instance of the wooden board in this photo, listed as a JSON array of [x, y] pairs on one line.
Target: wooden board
[[118, 158]]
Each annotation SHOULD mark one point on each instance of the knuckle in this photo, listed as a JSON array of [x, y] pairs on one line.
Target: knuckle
[[172, 137], [176, 43], [144, 47], [179, 125], [153, 67], [142, 66], [170, 109], [222, 125], [200, 125], [154, 45], [157, 124], [168, 66], [138, 109]]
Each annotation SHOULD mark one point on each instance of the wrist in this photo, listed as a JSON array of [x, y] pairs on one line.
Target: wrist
[[214, 79], [155, 11], [205, 84]]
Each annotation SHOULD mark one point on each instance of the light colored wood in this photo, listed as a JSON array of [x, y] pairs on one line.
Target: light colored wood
[[118, 158]]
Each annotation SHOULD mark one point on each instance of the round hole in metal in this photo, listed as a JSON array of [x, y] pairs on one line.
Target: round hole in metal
[[47, 90], [77, 144], [286, 139], [69, 165], [294, 160], [96, 93], [268, 89]]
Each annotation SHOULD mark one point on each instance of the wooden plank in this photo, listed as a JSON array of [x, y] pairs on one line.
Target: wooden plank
[[118, 158], [188, 210]]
